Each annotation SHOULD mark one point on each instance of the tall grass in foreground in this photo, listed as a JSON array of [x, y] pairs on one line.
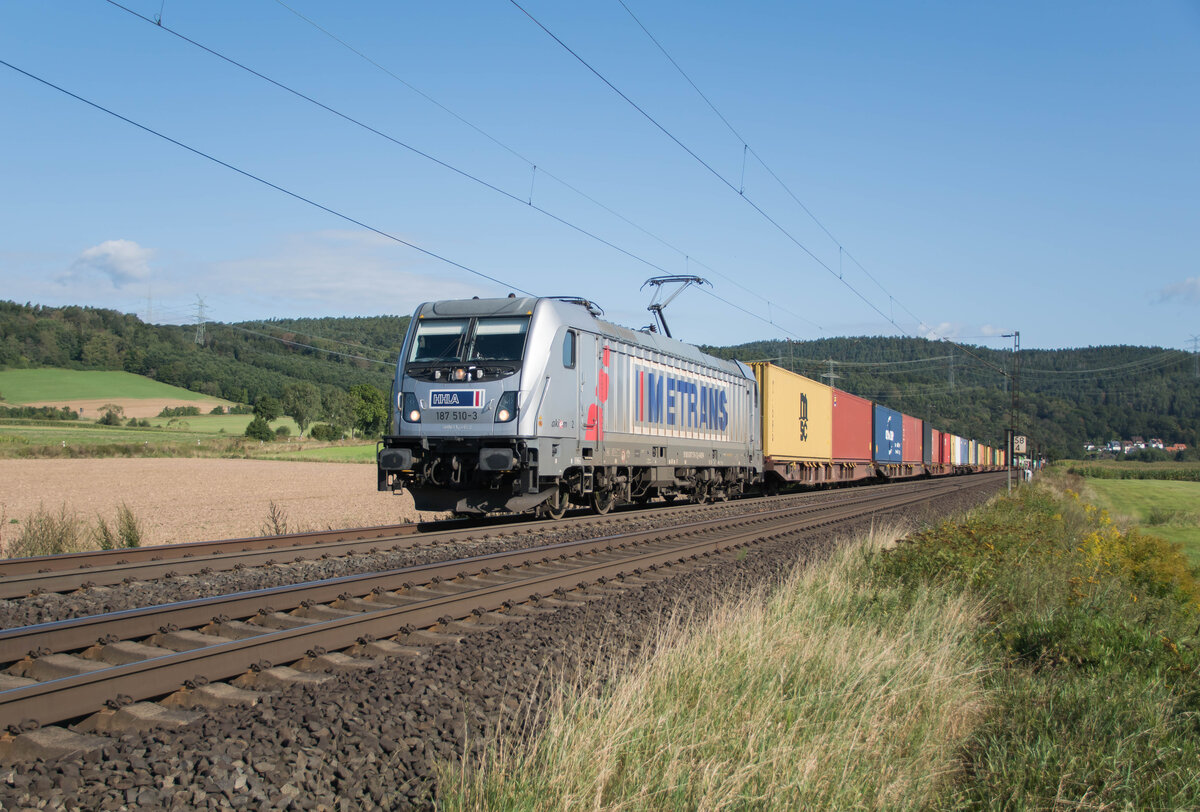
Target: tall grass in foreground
[[1033, 655], [838, 692], [1094, 635]]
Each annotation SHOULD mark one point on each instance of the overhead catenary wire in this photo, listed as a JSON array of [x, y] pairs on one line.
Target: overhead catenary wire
[[730, 185], [527, 202], [265, 182], [536, 169]]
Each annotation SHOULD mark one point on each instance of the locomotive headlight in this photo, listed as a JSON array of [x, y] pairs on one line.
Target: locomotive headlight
[[506, 407], [411, 410]]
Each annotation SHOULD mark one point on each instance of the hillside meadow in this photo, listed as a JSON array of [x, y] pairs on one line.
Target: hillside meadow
[[139, 397]]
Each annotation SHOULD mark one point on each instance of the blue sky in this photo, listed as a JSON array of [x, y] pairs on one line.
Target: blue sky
[[972, 168]]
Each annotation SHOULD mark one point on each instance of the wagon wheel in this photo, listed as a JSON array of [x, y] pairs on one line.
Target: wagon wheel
[[602, 501], [556, 506]]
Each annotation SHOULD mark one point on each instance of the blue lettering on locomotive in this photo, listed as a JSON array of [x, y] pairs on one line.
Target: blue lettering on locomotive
[[665, 400]]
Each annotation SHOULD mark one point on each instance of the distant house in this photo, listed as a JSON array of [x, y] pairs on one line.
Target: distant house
[[1156, 443], [1176, 448]]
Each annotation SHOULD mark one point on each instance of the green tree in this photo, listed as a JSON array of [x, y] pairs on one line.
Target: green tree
[[338, 408], [259, 429], [268, 408], [302, 403], [370, 409]]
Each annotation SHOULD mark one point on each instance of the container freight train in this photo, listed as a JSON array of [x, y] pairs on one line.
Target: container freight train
[[525, 404]]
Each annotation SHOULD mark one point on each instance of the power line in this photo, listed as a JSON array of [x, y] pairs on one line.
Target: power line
[[427, 156], [268, 183], [445, 164], [740, 191], [706, 165], [536, 168], [290, 343]]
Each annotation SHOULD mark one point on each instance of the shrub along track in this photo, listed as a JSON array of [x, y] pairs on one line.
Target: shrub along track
[[371, 737]]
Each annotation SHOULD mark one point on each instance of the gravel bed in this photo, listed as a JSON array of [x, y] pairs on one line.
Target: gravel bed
[[370, 741], [54, 606]]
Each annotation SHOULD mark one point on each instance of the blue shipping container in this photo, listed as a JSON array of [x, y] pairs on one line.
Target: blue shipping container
[[889, 435]]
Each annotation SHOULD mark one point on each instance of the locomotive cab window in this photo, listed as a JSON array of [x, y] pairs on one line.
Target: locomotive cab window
[[500, 339], [568, 357], [458, 341], [440, 340]]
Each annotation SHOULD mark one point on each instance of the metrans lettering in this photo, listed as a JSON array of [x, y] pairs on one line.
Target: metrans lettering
[[664, 399], [456, 398]]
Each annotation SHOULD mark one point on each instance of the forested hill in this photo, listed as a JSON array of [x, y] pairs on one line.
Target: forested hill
[[240, 362], [1067, 396]]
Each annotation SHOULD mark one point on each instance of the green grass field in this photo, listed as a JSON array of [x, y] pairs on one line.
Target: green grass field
[[1167, 509], [21, 386], [333, 453]]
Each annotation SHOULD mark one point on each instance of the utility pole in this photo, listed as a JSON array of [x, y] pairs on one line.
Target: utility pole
[[199, 320], [1196, 353], [830, 376], [951, 367], [1012, 415]]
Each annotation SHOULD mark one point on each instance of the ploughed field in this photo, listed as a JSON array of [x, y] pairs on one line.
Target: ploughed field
[[369, 738], [193, 499]]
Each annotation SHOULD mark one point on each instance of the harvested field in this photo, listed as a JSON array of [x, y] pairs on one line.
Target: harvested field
[[134, 407], [181, 500]]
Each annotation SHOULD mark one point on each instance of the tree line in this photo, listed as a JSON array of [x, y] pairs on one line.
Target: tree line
[[316, 370], [334, 370]]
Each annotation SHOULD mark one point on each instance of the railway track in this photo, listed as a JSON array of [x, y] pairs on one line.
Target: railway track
[[23, 577], [103, 668]]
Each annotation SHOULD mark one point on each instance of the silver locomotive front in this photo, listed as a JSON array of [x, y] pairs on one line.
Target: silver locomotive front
[[461, 423]]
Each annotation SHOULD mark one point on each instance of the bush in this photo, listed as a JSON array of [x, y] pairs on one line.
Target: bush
[[326, 433], [180, 411], [112, 415], [283, 431], [46, 533], [259, 429], [218, 409]]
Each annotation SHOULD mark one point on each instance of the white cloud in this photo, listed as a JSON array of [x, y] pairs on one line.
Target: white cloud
[[1187, 291], [121, 261], [991, 330], [939, 331], [329, 273]]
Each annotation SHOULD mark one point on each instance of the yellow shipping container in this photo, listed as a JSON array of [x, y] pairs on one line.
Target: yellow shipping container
[[797, 415]]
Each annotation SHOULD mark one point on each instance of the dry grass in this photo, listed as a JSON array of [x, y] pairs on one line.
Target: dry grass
[[832, 693]]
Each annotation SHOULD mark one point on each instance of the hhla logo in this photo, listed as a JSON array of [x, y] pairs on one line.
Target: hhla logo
[[803, 417]]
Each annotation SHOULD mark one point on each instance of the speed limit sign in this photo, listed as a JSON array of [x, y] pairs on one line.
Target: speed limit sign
[[1019, 444]]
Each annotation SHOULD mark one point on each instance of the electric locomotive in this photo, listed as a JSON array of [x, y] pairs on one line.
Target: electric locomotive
[[526, 403]]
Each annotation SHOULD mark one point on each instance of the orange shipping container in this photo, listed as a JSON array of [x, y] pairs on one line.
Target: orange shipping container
[[797, 415]]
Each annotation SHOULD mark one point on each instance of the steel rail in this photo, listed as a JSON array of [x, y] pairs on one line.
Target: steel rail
[[74, 696], [22, 577]]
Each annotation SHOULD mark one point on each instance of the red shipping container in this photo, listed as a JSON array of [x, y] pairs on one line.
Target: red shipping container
[[913, 435], [935, 446], [948, 443], [851, 427]]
